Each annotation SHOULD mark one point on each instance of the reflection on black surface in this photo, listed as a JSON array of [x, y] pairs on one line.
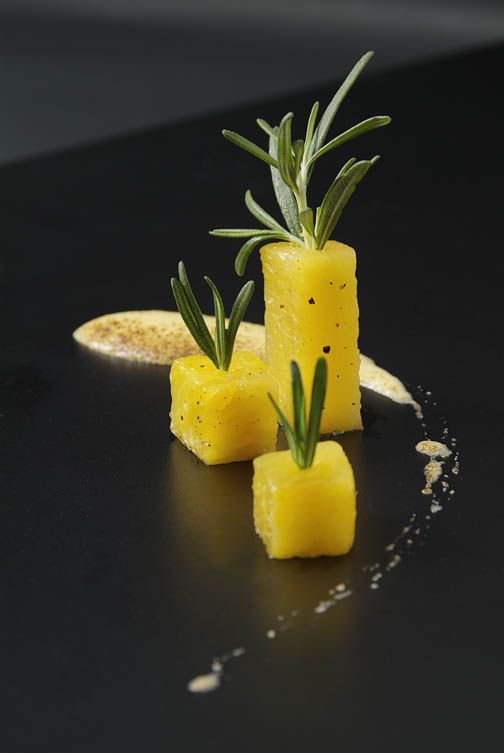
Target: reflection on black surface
[[212, 537], [210, 508]]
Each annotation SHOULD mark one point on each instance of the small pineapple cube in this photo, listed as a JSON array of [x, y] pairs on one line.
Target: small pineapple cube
[[222, 416], [305, 512]]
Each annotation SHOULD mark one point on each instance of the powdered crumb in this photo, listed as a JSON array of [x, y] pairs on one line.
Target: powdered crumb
[[434, 468], [433, 449], [205, 683], [323, 606], [394, 561]]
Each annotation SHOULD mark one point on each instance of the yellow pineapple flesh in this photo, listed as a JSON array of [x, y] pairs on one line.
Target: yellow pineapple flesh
[[222, 416], [305, 512], [312, 311]]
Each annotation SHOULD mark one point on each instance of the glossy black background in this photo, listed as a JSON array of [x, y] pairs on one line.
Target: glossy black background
[[82, 70], [126, 565]]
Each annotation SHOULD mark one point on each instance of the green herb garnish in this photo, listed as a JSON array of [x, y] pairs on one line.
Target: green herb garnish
[[220, 348], [291, 163], [302, 438]]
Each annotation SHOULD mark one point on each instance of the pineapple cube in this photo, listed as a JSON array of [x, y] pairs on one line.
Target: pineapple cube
[[222, 416], [312, 311], [305, 512]]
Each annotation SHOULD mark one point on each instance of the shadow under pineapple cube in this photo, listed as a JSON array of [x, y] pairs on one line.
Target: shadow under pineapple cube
[[222, 416], [305, 512]]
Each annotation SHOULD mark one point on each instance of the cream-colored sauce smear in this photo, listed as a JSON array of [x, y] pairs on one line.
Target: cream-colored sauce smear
[[160, 337], [377, 379]]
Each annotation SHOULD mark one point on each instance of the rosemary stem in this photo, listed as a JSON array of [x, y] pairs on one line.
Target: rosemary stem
[[291, 164], [302, 202]]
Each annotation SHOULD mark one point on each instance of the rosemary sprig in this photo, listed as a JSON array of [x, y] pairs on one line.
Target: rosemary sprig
[[302, 438], [273, 231], [291, 164], [219, 348]]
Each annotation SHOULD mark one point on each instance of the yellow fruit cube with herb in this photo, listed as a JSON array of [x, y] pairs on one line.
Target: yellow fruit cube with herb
[[220, 405], [222, 416], [305, 512], [304, 498]]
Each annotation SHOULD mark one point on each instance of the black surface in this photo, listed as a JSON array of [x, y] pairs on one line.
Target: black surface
[[126, 565], [78, 71]]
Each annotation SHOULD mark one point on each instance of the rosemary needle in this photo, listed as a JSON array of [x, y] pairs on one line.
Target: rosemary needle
[[219, 348], [302, 437], [291, 164]]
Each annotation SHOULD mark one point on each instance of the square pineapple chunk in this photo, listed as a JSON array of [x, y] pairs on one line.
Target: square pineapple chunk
[[222, 416], [305, 512]]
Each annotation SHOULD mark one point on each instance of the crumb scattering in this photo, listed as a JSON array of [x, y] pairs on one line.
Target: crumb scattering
[[338, 593], [433, 449], [205, 683], [393, 562], [433, 470], [212, 680], [323, 606]]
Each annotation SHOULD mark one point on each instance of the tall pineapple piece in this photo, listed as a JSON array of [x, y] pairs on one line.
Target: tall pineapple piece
[[310, 284]]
